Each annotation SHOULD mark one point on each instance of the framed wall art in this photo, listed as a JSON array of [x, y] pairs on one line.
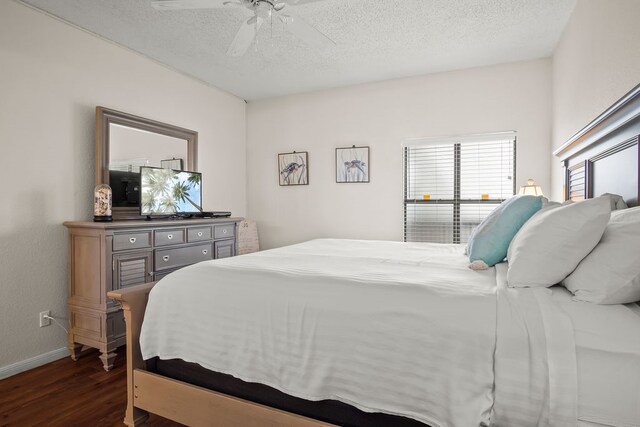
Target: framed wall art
[[352, 164], [293, 168], [175, 164]]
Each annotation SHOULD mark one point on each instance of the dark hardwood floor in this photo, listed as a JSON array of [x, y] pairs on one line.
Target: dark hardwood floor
[[68, 393]]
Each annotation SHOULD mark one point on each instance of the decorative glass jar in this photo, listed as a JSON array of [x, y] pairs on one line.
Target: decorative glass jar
[[102, 201]]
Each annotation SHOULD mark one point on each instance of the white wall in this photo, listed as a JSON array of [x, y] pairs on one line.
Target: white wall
[[381, 115], [51, 78], [596, 62]]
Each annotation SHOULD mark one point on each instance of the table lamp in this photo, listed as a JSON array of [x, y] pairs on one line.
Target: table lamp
[[531, 189]]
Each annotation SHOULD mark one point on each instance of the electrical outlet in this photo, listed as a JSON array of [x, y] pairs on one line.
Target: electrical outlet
[[43, 320]]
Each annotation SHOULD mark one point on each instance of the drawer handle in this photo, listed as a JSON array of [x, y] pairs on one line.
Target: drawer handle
[[204, 251], [199, 233], [224, 231], [169, 236], [165, 258], [132, 240]]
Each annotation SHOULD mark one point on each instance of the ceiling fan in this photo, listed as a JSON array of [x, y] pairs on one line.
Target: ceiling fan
[[261, 10]]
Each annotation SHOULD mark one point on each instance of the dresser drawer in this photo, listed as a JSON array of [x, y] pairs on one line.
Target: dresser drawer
[[198, 234], [137, 240], [224, 231], [177, 257], [169, 237], [157, 275]]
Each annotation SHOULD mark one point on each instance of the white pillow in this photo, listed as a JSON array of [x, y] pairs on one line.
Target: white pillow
[[610, 274], [550, 245]]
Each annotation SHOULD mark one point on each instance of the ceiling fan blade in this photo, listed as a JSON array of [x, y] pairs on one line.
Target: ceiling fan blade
[[193, 4], [246, 34], [304, 31]]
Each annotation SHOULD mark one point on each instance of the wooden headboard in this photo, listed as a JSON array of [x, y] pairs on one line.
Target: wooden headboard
[[603, 157]]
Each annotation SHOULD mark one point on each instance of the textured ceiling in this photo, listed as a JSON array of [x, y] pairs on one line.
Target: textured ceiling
[[374, 39]]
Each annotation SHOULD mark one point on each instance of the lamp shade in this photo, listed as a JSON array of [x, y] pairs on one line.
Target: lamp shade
[[531, 189]]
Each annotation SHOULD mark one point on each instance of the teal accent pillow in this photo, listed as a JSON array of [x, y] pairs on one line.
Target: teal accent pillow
[[490, 240]]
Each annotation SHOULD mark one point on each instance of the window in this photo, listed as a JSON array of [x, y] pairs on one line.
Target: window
[[452, 184]]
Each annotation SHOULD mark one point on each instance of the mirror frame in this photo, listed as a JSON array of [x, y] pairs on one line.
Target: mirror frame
[[106, 117]]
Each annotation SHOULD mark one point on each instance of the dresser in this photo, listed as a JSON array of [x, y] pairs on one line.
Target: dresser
[[112, 255]]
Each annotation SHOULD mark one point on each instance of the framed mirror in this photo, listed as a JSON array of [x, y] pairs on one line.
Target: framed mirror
[[125, 142]]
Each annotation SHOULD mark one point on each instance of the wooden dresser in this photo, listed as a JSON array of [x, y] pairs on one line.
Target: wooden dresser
[[113, 255]]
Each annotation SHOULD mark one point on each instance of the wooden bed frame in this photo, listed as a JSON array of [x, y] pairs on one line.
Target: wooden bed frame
[[602, 157], [179, 401]]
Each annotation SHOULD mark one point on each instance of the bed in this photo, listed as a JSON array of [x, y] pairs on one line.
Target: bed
[[293, 338]]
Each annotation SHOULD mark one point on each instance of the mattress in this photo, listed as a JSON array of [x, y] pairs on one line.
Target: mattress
[[398, 328], [330, 411], [607, 342]]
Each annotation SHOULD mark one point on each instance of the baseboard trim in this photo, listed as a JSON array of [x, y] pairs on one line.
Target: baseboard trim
[[33, 362]]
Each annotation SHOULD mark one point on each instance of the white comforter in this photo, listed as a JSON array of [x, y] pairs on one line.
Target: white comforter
[[399, 328]]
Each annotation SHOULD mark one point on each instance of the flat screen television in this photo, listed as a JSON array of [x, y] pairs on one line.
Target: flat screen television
[[169, 192]]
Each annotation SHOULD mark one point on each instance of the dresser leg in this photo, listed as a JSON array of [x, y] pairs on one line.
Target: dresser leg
[[74, 350], [107, 360]]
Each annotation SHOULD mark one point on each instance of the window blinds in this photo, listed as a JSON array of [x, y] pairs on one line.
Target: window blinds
[[451, 185]]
